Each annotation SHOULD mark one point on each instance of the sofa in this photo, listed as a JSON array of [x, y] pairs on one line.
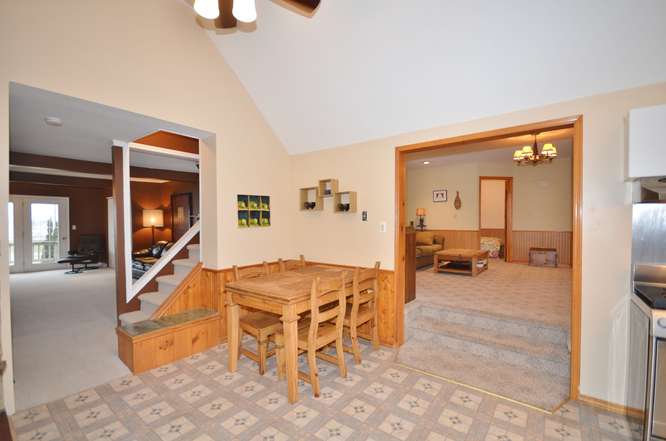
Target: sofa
[[142, 260], [427, 244]]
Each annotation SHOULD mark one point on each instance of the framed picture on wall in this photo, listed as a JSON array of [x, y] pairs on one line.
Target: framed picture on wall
[[440, 195]]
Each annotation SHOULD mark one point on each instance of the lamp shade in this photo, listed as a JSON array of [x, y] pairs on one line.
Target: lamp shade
[[153, 218], [549, 151], [207, 8], [244, 10], [420, 212]]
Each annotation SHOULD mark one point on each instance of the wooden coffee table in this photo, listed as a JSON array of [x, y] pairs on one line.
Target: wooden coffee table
[[460, 261]]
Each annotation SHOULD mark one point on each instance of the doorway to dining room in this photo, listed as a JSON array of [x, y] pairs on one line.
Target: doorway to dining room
[[510, 232]]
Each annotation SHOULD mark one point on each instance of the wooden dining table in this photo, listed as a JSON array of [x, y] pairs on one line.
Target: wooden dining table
[[284, 293]]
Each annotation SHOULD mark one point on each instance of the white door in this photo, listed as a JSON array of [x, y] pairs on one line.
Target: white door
[[39, 233]]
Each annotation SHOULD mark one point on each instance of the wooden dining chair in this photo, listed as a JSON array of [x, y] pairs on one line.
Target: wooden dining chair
[[325, 328], [259, 324], [365, 287], [291, 264]]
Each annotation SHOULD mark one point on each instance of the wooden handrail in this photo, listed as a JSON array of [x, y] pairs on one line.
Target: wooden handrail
[[166, 257]]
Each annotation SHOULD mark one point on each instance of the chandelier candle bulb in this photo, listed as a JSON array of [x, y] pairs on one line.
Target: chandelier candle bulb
[[245, 10], [207, 8]]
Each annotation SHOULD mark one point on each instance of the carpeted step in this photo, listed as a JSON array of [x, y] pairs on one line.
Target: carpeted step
[[535, 331], [531, 386], [167, 284], [129, 318], [182, 267], [194, 251], [516, 350], [151, 301]]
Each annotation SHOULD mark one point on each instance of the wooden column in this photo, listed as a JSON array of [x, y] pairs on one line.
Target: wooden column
[[118, 199]]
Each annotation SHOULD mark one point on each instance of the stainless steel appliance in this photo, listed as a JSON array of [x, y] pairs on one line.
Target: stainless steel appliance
[[647, 356]]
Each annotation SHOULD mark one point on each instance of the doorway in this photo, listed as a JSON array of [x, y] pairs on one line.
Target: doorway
[[458, 144], [496, 212], [181, 214], [38, 232]]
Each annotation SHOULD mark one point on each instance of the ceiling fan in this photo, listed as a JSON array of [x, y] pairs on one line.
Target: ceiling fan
[[227, 13]]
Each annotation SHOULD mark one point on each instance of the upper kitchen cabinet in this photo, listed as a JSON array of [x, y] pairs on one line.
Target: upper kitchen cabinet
[[647, 142]]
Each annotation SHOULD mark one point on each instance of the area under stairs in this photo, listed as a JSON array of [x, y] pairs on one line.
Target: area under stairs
[[150, 301]]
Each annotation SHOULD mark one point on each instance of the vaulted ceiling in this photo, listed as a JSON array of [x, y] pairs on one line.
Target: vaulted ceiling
[[365, 69]]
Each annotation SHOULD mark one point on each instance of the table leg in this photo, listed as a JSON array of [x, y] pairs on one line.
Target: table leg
[[290, 329], [474, 269], [233, 334], [436, 266]]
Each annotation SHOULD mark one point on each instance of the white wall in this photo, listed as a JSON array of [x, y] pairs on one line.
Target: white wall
[[149, 57], [606, 211]]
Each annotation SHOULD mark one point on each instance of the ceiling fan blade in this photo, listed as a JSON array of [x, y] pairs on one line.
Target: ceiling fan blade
[[305, 5], [226, 19]]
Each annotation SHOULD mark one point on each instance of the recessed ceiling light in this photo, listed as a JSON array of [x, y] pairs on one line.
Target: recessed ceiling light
[[53, 121], [426, 162]]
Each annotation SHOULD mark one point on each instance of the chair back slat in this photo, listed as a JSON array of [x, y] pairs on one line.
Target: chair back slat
[[321, 288], [364, 287], [251, 272], [291, 264]]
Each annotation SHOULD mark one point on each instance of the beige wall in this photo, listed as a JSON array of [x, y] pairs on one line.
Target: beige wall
[[150, 57], [541, 195], [606, 214]]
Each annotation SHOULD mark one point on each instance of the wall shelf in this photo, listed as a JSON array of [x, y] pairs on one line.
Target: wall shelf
[[328, 187], [254, 211], [344, 202], [311, 195]]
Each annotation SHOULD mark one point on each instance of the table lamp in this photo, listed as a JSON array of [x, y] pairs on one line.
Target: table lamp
[[152, 219], [420, 214]]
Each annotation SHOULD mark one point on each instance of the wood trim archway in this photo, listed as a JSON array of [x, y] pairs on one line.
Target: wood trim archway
[[575, 122], [508, 212]]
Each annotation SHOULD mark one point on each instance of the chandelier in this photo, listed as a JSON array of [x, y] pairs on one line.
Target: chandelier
[[530, 154]]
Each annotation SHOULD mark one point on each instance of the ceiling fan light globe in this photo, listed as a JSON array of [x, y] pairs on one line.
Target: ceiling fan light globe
[[245, 10], [208, 9]]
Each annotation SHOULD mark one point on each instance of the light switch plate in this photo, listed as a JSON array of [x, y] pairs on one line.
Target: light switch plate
[[364, 216], [382, 227]]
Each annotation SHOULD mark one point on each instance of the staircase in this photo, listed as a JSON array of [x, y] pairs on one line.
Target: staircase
[[151, 301], [518, 359]]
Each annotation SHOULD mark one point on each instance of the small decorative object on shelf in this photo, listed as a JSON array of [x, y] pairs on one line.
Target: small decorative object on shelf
[[457, 203], [254, 211]]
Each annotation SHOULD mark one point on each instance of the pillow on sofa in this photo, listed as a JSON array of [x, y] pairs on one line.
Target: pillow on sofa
[[424, 238]]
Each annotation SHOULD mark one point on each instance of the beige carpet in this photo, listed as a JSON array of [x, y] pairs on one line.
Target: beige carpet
[[63, 332], [506, 289]]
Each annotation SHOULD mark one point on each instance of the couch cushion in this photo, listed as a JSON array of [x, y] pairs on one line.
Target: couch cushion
[[427, 250], [425, 238]]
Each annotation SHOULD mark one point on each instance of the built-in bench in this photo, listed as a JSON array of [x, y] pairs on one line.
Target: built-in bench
[[149, 344]]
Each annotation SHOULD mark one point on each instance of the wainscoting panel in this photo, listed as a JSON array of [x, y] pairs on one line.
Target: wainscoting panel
[[459, 238], [524, 240]]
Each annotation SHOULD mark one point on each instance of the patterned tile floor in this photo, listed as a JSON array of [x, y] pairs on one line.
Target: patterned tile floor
[[508, 289], [196, 399]]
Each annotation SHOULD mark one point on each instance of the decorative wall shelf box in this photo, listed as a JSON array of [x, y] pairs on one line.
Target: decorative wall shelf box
[[344, 202], [310, 199], [328, 187]]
